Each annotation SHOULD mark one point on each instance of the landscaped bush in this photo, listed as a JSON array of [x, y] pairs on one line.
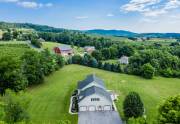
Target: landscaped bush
[[133, 106], [169, 111], [74, 107], [147, 71]]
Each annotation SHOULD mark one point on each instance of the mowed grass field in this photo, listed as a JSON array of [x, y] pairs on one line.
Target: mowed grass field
[[50, 101]]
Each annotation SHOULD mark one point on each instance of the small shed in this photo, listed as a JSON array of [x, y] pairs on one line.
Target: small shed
[[124, 60]]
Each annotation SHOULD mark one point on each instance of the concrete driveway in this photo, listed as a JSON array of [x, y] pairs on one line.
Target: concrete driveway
[[101, 117]]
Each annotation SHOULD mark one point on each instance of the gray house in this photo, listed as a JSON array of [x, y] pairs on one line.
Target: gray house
[[91, 80], [93, 96]]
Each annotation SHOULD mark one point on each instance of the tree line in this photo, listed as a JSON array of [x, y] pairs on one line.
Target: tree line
[[17, 74], [145, 60]]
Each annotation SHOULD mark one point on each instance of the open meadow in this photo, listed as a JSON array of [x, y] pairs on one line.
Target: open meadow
[[50, 101]]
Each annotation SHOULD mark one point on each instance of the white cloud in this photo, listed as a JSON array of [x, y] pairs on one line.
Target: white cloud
[[9, 1], [110, 15], [48, 5], [152, 8], [147, 20], [82, 17], [138, 5], [28, 4], [172, 4], [155, 13]]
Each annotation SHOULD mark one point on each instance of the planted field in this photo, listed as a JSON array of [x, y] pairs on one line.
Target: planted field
[[50, 101], [13, 49]]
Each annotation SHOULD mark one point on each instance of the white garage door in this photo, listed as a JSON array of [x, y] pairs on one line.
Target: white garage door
[[92, 108], [82, 108], [107, 108]]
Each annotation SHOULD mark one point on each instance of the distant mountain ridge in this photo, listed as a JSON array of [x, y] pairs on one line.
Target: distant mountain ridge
[[117, 33], [37, 27], [123, 33]]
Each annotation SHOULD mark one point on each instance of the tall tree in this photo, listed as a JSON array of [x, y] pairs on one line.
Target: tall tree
[[133, 106], [11, 75], [33, 69]]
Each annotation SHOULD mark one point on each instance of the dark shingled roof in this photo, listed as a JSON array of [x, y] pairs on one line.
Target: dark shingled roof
[[94, 90], [89, 79]]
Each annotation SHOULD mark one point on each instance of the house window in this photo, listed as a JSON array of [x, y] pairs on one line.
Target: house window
[[95, 99]]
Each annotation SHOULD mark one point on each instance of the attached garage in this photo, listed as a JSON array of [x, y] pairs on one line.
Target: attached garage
[[92, 108], [82, 108], [93, 96], [107, 108]]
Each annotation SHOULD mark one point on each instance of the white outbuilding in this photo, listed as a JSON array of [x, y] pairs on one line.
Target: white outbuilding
[[124, 60]]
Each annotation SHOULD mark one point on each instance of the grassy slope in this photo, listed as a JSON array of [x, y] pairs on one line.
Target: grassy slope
[[50, 101]]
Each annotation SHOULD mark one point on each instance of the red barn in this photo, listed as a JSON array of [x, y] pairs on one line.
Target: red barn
[[63, 50]]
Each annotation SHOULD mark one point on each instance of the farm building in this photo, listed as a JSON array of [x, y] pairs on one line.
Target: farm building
[[124, 60], [93, 96], [63, 50], [89, 49]]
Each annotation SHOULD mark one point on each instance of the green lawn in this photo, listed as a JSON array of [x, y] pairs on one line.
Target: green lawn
[[50, 101]]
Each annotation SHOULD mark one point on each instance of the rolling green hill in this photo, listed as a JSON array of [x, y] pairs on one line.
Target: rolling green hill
[[50, 101], [122, 33]]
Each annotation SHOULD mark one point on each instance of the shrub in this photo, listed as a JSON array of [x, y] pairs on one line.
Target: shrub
[[76, 59], [15, 107], [60, 61], [97, 54], [133, 106], [147, 71], [139, 120], [36, 43], [169, 111], [167, 72], [93, 63], [107, 66]]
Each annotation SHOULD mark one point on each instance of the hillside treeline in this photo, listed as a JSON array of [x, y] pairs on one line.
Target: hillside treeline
[[146, 59]]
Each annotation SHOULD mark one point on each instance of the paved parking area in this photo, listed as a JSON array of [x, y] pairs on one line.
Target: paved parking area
[[103, 117]]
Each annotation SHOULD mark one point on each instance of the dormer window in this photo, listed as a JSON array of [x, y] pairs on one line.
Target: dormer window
[[95, 99]]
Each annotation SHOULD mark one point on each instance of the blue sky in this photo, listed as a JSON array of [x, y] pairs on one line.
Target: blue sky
[[132, 15]]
